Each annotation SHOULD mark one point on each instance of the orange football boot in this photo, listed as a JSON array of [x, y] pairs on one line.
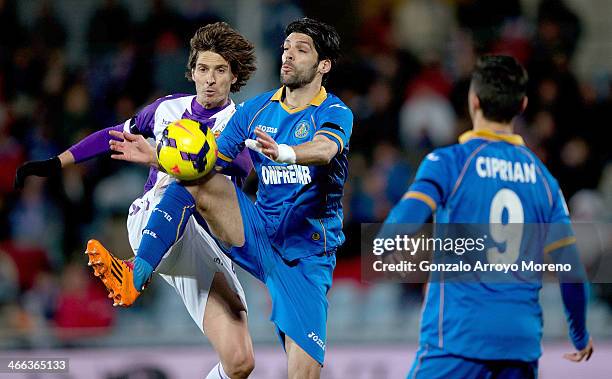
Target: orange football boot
[[116, 274]]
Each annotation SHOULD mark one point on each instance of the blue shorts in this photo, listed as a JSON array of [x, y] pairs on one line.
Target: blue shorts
[[298, 288], [432, 362]]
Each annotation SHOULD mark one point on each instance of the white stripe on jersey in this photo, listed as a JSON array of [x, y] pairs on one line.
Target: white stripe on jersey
[[222, 117], [169, 111]]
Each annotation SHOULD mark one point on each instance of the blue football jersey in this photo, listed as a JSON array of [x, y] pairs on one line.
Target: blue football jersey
[[486, 179], [301, 203]]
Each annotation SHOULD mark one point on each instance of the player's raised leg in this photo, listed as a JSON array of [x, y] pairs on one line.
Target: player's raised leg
[[205, 280], [116, 274], [216, 201]]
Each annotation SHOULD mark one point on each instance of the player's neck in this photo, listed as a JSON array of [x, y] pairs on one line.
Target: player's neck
[[299, 97], [213, 105], [482, 123]]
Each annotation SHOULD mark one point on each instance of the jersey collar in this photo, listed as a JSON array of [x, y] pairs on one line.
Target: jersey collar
[[490, 135], [199, 110], [316, 101]]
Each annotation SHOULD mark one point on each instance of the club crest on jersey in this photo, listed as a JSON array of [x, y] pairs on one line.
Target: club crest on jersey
[[302, 130]]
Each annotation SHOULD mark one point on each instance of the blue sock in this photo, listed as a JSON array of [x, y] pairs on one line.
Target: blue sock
[[166, 224]]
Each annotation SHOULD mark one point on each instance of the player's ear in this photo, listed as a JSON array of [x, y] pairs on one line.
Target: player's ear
[[324, 66], [473, 101], [234, 79], [524, 104]]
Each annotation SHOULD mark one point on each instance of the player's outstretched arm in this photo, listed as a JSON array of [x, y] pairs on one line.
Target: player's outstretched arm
[[320, 151], [132, 148], [89, 147]]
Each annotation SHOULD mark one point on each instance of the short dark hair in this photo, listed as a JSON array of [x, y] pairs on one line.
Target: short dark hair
[[500, 83], [220, 38], [325, 38]]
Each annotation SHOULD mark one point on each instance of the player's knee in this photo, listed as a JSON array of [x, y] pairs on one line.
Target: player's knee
[[201, 198], [192, 189], [208, 193], [240, 364]]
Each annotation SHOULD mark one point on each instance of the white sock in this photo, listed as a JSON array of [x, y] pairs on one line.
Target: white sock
[[217, 373]]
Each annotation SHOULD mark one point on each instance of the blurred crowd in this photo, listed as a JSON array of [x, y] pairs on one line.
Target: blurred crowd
[[405, 74]]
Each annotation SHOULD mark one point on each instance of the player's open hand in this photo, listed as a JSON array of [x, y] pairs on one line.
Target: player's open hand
[[265, 145], [132, 148], [578, 356], [269, 147]]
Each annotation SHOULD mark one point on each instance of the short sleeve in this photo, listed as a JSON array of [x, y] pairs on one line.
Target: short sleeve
[[336, 123], [559, 230], [143, 122], [432, 181], [559, 211]]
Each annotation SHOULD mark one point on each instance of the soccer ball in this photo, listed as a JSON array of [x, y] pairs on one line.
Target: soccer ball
[[186, 150]]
